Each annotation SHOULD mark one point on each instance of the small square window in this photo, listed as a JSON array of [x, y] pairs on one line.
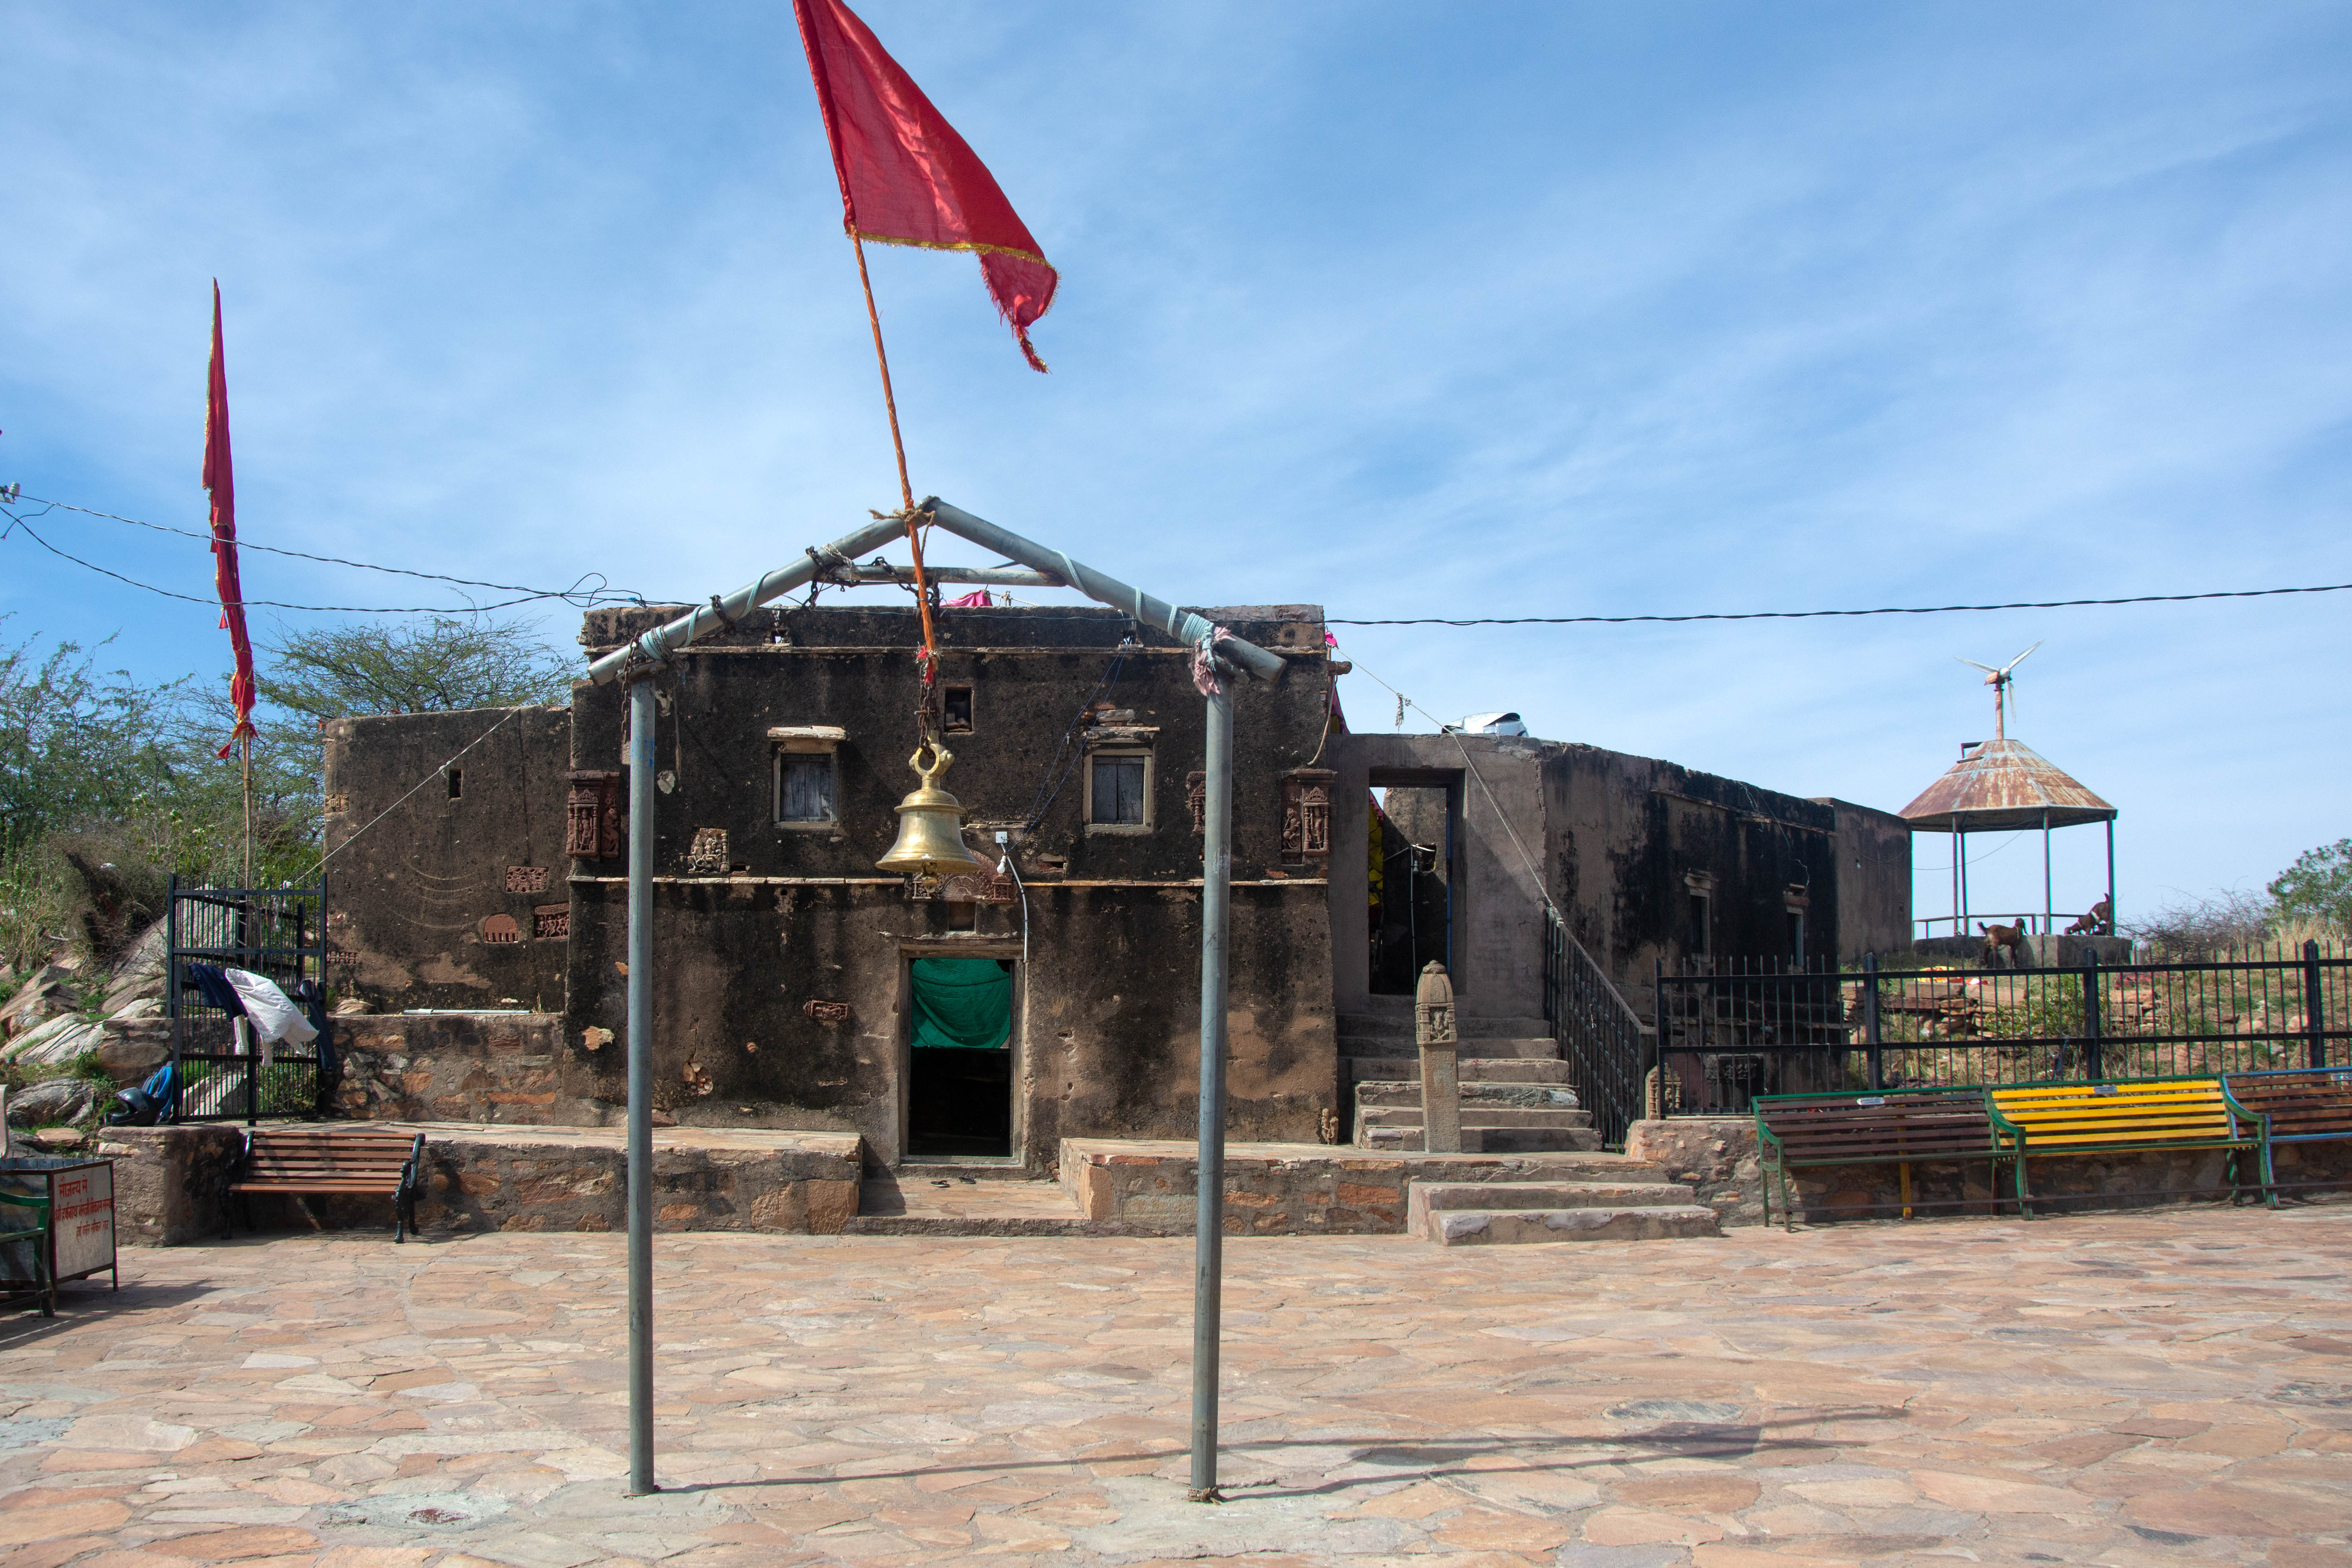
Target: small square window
[[804, 788], [955, 712], [1116, 797]]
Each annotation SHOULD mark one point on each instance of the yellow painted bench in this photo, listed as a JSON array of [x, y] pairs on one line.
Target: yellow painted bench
[[2146, 1115]]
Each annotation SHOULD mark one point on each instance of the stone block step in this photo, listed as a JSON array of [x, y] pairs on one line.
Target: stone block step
[[1541, 1047], [1422, 1197], [1480, 1116], [1486, 1140], [1510, 1227], [1480, 1092], [1468, 1069], [1398, 1025], [919, 1167]]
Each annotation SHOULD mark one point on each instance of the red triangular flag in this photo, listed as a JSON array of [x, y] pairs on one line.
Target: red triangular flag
[[220, 479], [906, 178]]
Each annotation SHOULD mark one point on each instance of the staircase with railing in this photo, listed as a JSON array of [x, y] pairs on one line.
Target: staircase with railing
[[1603, 1040]]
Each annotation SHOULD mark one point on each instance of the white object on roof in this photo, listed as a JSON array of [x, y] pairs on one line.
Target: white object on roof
[[1493, 724]]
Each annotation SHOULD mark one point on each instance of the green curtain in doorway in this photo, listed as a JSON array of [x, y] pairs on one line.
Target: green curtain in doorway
[[963, 1001]]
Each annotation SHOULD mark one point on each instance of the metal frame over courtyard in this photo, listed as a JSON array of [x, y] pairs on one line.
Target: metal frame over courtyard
[[1218, 655]]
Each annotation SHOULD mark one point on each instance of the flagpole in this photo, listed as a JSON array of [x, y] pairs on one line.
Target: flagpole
[[248, 812], [899, 447]]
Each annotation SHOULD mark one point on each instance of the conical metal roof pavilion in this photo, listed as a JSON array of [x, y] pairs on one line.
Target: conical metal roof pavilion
[[2003, 784]]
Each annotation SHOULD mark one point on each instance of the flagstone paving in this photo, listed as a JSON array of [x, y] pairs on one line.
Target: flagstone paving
[[2121, 1389]]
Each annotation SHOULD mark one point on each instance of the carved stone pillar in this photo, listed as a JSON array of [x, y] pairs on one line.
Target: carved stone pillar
[[1441, 1084]]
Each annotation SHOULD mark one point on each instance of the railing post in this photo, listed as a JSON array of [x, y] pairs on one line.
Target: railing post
[[1870, 1019], [2093, 1056], [1653, 1059], [2314, 1005]]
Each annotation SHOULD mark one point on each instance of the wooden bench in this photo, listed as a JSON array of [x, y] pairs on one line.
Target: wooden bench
[[2142, 1116], [341, 1162], [2304, 1105], [1895, 1126]]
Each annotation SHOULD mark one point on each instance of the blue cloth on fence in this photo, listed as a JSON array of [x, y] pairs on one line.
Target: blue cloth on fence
[[213, 987]]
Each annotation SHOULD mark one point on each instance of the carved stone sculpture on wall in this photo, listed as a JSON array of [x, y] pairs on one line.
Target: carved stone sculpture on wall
[[826, 1012], [526, 878], [1196, 795], [551, 922], [1307, 815], [982, 887], [708, 857], [592, 814], [500, 930]]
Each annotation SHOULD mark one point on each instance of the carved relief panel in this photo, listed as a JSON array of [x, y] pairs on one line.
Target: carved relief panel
[[1307, 815], [592, 814]]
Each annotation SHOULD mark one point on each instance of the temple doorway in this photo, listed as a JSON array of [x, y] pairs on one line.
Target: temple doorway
[[960, 1057]]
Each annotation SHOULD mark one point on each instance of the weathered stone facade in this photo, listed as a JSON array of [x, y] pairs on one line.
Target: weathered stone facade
[[437, 904]]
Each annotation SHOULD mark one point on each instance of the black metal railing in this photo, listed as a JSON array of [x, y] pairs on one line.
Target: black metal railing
[[219, 1073], [1729, 1030], [1598, 1034]]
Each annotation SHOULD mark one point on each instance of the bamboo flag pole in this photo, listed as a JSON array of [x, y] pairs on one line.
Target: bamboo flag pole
[[248, 811], [898, 448]]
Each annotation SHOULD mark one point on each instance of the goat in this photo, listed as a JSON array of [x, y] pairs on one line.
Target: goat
[[2095, 923], [1998, 937]]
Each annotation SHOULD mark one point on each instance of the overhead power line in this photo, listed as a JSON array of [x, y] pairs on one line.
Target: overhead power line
[[1818, 615], [590, 590]]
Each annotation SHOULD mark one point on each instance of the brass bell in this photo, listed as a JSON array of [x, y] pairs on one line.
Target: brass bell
[[930, 823]]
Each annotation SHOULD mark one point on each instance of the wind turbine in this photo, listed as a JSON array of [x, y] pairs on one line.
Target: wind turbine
[[2000, 680]]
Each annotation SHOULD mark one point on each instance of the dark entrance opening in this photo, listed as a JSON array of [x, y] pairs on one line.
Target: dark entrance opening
[[960, 1061], [1411, 883]]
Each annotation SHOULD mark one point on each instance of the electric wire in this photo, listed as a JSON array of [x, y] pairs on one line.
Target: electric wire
[[1058, 774], [1819, 615], [1535, 873], [419, 785], [588, 592]]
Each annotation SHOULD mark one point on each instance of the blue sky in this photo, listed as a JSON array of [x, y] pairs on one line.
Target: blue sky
[[1506, 309]]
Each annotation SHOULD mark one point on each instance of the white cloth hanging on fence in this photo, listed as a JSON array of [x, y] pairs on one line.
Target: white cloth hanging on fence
[[275, 1014]]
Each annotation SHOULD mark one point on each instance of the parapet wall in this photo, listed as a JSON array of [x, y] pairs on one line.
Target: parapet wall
[[508, 1068]]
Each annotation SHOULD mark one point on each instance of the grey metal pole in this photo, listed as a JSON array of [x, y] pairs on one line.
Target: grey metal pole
[[657, 644], [1182, 625], [2112, 926], [2049, 906], [1209, 1227], [641, 1087]]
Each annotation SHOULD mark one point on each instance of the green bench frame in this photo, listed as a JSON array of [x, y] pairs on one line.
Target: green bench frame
[[2298, 1105], [2247, 1131], [1872, 1127]]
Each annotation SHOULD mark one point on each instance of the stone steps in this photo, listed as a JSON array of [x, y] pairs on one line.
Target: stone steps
[[1480, 1092], [1398, 1025], [1486, 1140], [1483, 1117], [1475, 1228], [1503, 1214], [1466, 1069], [1489, 1048]]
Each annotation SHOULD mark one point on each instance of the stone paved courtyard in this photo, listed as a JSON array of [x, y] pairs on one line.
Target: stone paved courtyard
[[2121, 1389]]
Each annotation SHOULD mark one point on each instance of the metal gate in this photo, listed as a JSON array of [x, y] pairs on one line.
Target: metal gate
[[281, 934]]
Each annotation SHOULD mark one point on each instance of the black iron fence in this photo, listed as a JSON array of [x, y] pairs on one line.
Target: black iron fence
[[1729, 1030], [1600, 1035], [220, 1073]]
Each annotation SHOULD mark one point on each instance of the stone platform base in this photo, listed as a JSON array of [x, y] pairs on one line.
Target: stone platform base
[[482, 1177], [1298, 1189]]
